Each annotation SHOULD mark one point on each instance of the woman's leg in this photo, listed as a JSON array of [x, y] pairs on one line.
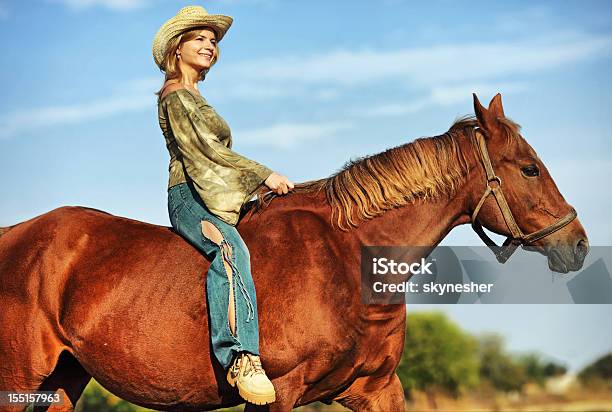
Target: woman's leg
[[230, 290], [211, 232], [246, 371], [239, 314]]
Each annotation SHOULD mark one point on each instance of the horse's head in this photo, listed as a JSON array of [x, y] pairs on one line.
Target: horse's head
[[536, 214]]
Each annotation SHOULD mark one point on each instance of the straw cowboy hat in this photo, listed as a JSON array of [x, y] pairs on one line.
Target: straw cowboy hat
[[187, 18]]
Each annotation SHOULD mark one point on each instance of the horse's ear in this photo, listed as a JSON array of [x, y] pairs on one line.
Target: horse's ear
[[495, 107], [485, 117], [480, 111], [478, 108]]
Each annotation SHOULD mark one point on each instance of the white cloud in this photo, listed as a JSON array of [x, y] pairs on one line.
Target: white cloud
[[131, 96], [252, 90], [289, 135], [26, 120], [119, 5], [445, 75], [422, 66], [444, 96], [139, 97]]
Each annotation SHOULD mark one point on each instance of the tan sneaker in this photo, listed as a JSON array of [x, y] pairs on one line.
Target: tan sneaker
[[247, 373]]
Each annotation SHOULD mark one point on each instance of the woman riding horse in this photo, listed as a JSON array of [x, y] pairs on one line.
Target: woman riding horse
[[209, 183]]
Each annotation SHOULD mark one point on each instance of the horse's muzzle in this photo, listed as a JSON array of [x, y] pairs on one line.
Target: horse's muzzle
[[564, 258]]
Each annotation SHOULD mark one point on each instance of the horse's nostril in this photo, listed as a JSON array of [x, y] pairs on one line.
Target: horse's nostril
[[582, 247]]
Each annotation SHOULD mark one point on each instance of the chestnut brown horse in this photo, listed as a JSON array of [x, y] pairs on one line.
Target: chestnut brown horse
[[87, 294]]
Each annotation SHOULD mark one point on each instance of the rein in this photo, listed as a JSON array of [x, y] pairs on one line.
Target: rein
[[494, 187]]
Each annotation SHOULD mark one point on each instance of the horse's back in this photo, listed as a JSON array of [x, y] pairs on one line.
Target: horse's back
[[76, 241], [126, 297], [129, 299]]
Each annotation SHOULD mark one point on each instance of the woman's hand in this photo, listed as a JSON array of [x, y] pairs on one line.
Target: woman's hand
[[279, 183]]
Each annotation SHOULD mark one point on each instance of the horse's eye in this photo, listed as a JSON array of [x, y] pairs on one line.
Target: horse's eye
[[531, 171]]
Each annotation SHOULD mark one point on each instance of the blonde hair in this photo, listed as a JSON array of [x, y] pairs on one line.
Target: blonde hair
[[171, 62]]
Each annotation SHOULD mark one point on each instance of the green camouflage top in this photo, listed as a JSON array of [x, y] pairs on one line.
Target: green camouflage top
[[200, 142]]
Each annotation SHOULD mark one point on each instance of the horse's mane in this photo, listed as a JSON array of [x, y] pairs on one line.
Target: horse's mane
[[427, 168]]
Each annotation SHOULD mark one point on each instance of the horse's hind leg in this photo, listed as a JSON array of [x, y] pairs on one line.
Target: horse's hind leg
[[27, 354], [68, 379], [33, 358]]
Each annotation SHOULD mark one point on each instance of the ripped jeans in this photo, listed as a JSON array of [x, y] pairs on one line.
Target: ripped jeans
[[187, 211]]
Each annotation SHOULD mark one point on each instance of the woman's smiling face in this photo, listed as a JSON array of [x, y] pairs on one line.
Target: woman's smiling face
[[201, 51]]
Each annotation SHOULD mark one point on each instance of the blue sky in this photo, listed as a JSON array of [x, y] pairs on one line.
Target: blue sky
[[305, 86]]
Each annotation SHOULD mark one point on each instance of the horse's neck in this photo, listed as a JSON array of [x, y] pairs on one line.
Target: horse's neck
[[423, 223], [426, 223]]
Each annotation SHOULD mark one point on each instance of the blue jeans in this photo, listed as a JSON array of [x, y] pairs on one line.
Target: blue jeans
[[187, 211]]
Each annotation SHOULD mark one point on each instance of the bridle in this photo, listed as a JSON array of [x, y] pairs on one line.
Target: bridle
[[494, 186]]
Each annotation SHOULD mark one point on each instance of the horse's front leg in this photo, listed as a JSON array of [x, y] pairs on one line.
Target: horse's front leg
[[288, 389], [374, 394]]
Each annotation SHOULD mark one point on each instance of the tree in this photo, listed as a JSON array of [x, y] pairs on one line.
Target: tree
[[600, 369], [496, 366], [538, 370], [438, 355]]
